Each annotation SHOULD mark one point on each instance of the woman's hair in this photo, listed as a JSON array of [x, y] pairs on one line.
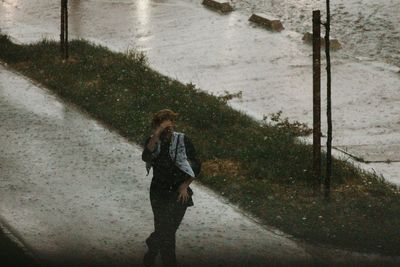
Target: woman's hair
[[162, 115]]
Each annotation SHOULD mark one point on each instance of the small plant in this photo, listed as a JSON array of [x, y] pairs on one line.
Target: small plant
[[192, 86], [229, 96], [296, 128], [137, 56]]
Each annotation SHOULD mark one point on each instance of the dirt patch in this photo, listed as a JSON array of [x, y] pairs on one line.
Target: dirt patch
[[225, 167], [23, 65], [92, 84]]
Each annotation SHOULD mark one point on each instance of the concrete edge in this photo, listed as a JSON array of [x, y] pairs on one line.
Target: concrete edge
[[16, 238], [360, 159], [345, 156]]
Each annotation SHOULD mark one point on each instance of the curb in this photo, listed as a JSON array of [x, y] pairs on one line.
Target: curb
[[17, 239]]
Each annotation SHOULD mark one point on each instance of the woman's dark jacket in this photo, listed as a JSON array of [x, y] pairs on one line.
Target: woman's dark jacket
[[166, 175]]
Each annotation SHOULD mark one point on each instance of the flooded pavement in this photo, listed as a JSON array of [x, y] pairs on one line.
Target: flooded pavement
[[367, 29], [222, 53], [77, 194]]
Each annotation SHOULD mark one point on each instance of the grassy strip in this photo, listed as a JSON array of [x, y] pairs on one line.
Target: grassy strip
[[256, 165]]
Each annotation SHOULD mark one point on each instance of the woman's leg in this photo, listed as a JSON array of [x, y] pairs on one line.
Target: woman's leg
[[154, 240], [169, 228]]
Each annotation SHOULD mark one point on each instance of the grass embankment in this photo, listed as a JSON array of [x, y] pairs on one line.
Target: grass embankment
[[259, 166]]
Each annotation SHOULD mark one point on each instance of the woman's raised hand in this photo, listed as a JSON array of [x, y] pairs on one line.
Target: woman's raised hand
[[162, 126]]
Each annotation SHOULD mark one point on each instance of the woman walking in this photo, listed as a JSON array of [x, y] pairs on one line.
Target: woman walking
[[175, 165]]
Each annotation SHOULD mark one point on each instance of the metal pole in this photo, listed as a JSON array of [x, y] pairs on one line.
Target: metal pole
[[328, 110], [317, 99], [62, 29], [66, 30]]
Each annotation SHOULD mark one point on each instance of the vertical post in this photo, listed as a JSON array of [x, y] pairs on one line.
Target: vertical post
[[66, 30], [62, 29], [317, 99], [328, 96]]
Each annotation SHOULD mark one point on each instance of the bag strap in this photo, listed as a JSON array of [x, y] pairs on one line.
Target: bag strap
[[176, 148]]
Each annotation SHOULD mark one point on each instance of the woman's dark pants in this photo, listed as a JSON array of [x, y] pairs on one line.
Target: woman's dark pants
[[168, 214]]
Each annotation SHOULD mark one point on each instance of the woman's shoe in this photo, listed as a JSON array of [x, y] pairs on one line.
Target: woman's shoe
[[149, 258], [168, 261]]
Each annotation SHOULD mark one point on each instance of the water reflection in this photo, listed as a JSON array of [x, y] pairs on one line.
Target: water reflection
[[142, 11], [230, 37], [8, 9]]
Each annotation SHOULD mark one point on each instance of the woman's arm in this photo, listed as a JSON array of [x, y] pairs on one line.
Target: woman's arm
[[187, 182], [147, 154]]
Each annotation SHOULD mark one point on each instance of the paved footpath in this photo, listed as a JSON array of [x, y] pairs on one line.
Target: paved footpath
[[75, 193]]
